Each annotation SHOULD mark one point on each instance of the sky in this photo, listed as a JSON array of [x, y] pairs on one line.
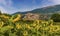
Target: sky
[[12, 6]]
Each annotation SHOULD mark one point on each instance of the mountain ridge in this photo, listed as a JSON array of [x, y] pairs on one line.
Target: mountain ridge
[[49, 9]]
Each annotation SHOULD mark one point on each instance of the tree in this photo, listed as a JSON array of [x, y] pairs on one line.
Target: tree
[[56, 17], [0, 13]]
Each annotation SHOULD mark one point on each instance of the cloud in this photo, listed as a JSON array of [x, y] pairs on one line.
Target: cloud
[[55, 1], [6, 2], [46, 3], [3, 2], [2, 9], [6, 6]]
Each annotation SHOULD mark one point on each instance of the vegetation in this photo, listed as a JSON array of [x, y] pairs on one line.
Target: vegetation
[[12, 25], [56, 17]]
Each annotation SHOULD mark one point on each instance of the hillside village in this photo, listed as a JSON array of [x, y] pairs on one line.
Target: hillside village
[[31, 16]]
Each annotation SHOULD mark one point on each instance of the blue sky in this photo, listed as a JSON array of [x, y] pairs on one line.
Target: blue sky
[[12, 6]]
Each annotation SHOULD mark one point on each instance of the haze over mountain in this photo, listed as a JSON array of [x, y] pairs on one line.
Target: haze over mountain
[[49, 9]]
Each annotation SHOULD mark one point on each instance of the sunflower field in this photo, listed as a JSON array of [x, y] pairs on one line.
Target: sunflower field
[[12, 25]]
